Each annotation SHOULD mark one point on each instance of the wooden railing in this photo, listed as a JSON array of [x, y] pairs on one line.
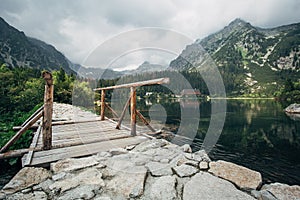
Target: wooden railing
[[131, 100], [46, 125], [45, 112]]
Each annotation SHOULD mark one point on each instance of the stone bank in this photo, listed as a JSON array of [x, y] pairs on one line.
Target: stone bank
[[155, 169]]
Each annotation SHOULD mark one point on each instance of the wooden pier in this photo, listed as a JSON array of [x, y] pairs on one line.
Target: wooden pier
[[78, 139], [87, 135]]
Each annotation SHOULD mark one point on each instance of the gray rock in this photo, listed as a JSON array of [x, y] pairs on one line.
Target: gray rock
[[102, 198], [140, 159], [205, 186], [186, 148], [44, 185], [283, 191], [159, 169], [2, 195], [150, 144], [185, 170], [89, 176], [118, 151], [26, 177], [262, 195], [37, 195], [128, 185], [82, 192], [243, 177], [59, 176], [200, 155], [265, 195], [165, 160], [163, 188], [203, 165], [72, 164], [181, 159], [104, 154], [293, 108]]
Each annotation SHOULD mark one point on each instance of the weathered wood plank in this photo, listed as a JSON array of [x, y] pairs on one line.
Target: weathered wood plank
[[33, 145], [42, 157]]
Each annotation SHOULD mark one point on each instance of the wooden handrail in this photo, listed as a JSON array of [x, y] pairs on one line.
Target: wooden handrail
[[131, 101], [158, 81]]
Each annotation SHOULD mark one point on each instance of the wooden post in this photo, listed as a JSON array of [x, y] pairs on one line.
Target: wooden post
[[48, 110], [132, 110], [102, 112]]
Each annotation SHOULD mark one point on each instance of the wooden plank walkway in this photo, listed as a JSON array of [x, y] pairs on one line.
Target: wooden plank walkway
[[81, 138]]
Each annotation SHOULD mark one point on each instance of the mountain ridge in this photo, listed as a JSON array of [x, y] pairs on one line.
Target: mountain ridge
[[19, 50], [250, 59]]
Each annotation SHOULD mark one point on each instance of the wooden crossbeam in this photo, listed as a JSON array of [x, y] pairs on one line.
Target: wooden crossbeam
[[21, 131]]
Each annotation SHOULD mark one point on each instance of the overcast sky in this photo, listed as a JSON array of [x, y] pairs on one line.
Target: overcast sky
[[77, 27]]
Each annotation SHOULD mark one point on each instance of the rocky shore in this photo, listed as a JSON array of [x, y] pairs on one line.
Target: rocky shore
[[155, 169]]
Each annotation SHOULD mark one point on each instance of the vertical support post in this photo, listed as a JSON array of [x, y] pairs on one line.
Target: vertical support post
[[48, 110], [133, 110], [102, 112]]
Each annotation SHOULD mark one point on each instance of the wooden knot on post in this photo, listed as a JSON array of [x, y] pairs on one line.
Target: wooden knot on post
[[47, 76]]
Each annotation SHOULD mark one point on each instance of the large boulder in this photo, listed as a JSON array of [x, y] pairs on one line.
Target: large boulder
[[283, 191], [25, 178], [205, 186], [242, 177], [293, 108]]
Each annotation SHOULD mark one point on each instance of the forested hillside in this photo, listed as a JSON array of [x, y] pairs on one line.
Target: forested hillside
[[253, 61]]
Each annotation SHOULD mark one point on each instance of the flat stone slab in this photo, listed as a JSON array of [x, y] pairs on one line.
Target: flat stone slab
[[163, 188], [159, 169], [242, 177], [26, 177], [71, 164], [205, 186]]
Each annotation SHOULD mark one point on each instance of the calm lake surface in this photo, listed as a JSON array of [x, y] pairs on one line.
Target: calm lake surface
[[256, 134]]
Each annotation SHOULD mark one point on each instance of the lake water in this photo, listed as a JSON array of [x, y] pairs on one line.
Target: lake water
[[257, 134]]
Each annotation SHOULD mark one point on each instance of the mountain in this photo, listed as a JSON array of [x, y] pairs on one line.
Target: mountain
[[251, 60], [18, 50], [145, 67]]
